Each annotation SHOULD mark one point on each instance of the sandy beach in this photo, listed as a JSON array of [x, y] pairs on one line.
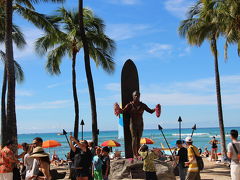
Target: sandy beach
[[212, 171]]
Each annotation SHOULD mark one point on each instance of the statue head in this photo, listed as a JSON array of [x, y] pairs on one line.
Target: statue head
[[136, 96]]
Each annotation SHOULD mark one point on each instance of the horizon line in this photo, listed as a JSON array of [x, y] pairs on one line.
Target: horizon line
[[117, 130]]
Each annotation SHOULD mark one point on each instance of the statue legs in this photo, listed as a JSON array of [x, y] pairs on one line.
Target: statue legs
[[136, 132]]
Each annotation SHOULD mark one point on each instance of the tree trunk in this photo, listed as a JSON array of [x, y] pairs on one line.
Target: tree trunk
[[11, 114], [4, 136], [89, 75], [219, 99], [75, 97]]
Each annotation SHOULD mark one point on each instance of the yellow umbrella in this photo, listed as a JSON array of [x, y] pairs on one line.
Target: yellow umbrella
[[146, 141]]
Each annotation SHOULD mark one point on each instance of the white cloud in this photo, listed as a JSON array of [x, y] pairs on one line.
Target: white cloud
[[178, 8], [113, 87], [157, 49], [126, 2], [126, 31], [30, 36], [196, 92], [56, 85], [24, 93], [45, 105], [185, 51]]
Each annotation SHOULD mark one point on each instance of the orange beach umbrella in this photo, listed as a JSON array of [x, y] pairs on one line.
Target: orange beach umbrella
[[146, 141], [111, 143], [50, 143]]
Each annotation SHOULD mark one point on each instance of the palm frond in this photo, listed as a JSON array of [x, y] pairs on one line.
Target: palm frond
[[19, 74], [55, 58], [18, 37], [39, 20]]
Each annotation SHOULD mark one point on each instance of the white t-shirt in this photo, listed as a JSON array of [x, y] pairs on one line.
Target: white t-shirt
[[234, 159], [28, 162]]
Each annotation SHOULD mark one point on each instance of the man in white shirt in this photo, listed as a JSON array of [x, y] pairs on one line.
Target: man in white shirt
[[234, 155], [37, 142]]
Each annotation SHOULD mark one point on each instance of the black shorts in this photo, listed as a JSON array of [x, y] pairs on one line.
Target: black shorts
[[81, 172]]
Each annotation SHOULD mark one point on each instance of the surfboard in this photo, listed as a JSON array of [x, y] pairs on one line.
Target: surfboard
[[129, 84]]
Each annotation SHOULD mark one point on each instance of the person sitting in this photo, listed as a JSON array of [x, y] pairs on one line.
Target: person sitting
[[117, 155], [55, 159], [206, 152]]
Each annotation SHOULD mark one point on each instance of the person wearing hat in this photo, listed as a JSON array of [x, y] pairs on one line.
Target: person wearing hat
[[193, 172], [37, 142], [181, 158], [8, 159], [44, 163]]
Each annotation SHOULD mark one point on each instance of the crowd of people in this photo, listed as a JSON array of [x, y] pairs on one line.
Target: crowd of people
[[88, 162]]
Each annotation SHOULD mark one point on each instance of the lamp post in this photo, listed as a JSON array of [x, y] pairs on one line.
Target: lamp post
[[82, 124], [193, 129], [161, 129], [180, 121]]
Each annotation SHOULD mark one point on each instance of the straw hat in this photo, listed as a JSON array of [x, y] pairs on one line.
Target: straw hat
[[38, 152]]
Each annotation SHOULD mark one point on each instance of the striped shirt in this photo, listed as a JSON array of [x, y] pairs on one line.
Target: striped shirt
[[193, 165]]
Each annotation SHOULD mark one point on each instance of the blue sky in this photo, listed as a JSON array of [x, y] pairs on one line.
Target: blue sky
[[171, 73]]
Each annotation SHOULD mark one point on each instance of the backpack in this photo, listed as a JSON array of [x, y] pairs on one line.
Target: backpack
[[199, 160], [238, 153]]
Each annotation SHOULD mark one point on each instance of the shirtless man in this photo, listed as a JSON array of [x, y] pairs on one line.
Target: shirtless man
[[136, 109]]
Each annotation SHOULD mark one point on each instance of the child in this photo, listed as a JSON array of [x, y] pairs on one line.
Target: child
[[106, 162], [148, 164], [97, 165]]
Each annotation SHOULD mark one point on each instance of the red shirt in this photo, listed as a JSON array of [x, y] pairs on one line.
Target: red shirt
[[6, 155]]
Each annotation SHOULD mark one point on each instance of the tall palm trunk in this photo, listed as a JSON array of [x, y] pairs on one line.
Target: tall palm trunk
[[219, 99], [75, 97], [89, 75], [4, 136], [11, 113]]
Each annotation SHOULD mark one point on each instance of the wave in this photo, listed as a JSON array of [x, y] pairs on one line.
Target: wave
[[218, 136], [194, 134]]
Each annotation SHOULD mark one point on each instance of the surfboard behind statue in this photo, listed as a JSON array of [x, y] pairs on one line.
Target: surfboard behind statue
[[129, 84]]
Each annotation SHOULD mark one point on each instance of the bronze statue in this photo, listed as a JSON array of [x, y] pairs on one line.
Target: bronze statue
[[135, 109]]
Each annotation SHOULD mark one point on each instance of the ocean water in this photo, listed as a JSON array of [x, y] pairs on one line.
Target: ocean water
[[201, 137]]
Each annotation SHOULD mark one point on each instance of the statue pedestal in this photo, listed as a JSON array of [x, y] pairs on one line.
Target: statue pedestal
[[125, 169]]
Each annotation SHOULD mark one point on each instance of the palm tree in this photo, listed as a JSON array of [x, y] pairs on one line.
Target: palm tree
[[200, 26], [19, 74], [20, 42], [229, 17], [8, 9], [107, 66], [68, 41]]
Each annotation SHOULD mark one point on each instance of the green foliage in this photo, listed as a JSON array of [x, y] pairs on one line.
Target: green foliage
[[19, 74], [66, 40]]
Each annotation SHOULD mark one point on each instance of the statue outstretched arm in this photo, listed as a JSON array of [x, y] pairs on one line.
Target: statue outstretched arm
[[118, 110], [157, 109], [146, 108]]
